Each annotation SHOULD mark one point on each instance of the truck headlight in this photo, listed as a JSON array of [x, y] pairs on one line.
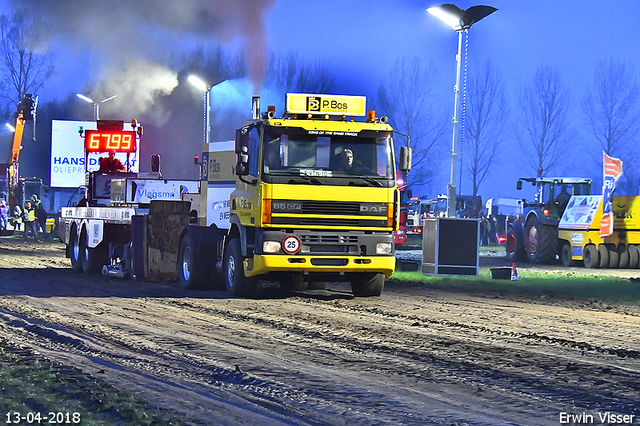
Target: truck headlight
[[384, 248], [271, 247]]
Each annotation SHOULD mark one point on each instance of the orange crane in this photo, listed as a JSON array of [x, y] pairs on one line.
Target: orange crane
[[24, 113]]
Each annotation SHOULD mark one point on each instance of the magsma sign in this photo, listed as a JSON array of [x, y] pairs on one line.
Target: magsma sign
[[68, 157]]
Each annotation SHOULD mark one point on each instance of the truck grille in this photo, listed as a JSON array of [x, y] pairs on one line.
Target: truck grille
[[339, 239], [319, 221], [330, 207]]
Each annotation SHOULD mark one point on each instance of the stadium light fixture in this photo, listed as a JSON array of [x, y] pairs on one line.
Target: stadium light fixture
[[460, 20], [96, 105]]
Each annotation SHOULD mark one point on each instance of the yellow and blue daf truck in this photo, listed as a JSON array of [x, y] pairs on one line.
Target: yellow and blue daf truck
[[311, 198]]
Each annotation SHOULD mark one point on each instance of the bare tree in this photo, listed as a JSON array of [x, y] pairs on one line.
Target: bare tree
[[25, 69], [612, 106], [544, 115], [486, 122], [410, 99], [290, 75], [213, 64]]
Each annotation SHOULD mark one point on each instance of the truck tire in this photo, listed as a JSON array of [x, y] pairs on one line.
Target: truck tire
[[614, 258], [590, 257], [634, 256], [92, 259], [541, 241], [74, 250], [623, 256], [367, 284], [237, 284], [293, 282], [565, 256], [317, 285], [515, 245], [604, 256], [192, 275]]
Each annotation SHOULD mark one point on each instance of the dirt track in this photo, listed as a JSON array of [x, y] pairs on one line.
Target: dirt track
[[412, 356]]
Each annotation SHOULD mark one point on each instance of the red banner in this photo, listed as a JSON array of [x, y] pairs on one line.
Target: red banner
[[612, 169]]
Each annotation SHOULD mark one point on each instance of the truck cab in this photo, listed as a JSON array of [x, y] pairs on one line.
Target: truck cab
[[316, 196]]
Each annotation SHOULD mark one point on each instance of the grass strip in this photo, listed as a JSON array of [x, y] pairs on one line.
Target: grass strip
[[607, 289]]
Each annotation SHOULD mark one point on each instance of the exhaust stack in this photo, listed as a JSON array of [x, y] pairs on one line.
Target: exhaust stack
[[255, 106]]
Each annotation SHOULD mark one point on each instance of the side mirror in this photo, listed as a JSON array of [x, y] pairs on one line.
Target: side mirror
[[519, 185], [405, 159], [155, 163], [242, 162], [242, 139]]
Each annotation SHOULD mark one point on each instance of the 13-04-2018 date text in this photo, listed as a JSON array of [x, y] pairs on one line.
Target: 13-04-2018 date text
[[50, 418]]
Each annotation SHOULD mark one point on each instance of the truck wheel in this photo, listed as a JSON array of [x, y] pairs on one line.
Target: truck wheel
[[92, 259], [541, 241], [294, 282], [514, 245], [191, 275], [367, 284], [317, 285], [74, 250], [237, 284], [634, 258], [604, 256], [127, 261], [623, 256], [565, 256], [614, 258], [591, 257]]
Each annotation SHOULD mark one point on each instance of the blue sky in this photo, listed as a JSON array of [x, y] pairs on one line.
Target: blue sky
[[359, 41], [362, 43]]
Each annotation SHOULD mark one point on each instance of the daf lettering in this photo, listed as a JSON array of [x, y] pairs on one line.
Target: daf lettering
[[373, 209]]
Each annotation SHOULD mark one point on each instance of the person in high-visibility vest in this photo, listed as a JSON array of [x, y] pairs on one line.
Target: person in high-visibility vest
[[30, 218]]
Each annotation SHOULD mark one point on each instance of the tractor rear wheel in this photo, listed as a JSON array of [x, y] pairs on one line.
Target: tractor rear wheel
[[541, 241], [514, 244]]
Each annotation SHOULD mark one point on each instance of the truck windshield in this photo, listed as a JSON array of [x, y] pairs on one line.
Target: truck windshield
[[366, 156]]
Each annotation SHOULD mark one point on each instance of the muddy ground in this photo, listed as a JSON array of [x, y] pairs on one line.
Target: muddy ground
[[411, 357]]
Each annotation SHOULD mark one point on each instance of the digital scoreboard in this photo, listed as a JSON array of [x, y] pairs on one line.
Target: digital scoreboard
[[109, 140]]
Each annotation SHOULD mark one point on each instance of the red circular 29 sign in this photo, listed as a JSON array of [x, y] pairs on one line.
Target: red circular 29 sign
[[291, 244]]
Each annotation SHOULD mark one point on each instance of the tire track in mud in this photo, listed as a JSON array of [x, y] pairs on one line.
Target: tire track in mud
[[413, 357], [339, 402], [537, 374], [340, 399], [393, 356]]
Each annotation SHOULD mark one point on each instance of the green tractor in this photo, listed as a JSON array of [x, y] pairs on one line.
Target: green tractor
[[534, 235]]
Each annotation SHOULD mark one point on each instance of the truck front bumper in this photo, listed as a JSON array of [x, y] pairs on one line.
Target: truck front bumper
[[261, 264]]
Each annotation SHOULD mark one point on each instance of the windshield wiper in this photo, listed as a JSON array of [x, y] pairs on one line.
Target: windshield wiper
[[311, 179], [295, 174], [366, 178]]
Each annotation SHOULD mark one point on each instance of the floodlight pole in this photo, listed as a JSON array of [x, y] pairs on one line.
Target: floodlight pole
[[200, 84], [451, 188], [96, 105], [460, 20]]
